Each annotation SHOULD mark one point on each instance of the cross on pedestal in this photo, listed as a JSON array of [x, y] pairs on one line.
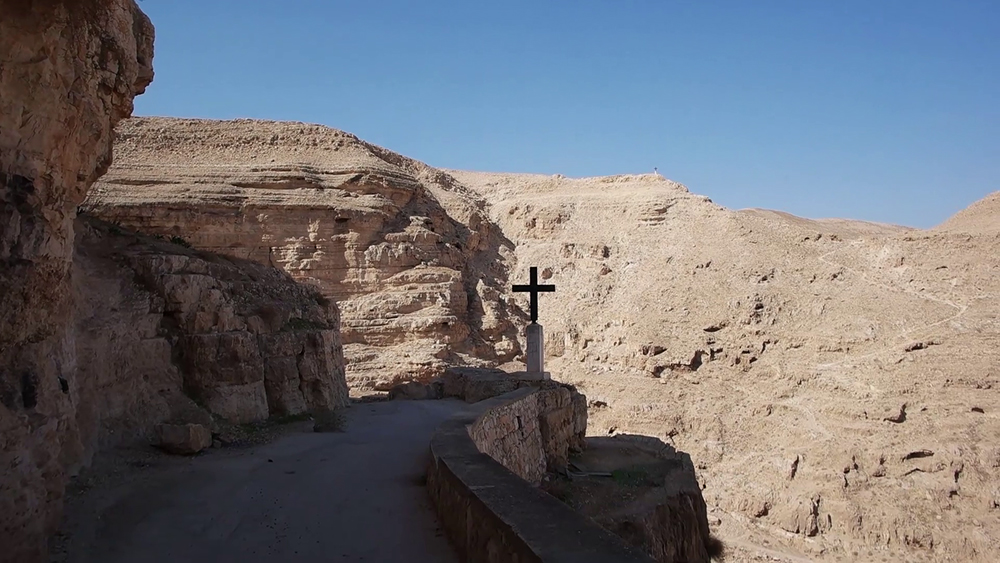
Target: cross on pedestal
[[534, 289], [533, 332]]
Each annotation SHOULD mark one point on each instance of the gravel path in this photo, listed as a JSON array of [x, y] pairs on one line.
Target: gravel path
[[351, 496]]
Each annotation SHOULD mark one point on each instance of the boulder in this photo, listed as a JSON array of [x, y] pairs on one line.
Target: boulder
[[412, 390], [183, 439]]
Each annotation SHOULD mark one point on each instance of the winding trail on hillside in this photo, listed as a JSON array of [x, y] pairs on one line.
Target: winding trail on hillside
[[356, 495], [797, 402], [961, 309]]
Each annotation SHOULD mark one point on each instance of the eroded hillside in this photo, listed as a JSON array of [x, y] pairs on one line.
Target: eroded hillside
[[407, 254], [835, 381]]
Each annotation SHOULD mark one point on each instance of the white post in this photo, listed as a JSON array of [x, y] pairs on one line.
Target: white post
[[536, 350]]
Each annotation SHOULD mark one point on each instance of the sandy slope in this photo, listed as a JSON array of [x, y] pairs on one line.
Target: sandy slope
[[979, 218]]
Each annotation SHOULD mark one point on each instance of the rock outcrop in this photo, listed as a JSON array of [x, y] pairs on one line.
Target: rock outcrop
[[68, 73], [408, 254], [183, 439], [159, 325], [105, 334]]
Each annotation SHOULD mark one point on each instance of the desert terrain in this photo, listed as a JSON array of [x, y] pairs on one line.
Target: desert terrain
[[834, 381]]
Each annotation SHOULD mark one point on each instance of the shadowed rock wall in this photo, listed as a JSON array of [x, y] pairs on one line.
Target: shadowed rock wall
[[68, 73], [104, 333], [160, 326]]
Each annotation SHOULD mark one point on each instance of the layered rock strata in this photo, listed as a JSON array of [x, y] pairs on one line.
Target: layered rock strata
[[416, 267], [156, 320]]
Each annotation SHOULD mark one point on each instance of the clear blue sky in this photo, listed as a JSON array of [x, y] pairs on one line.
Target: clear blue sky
[[886, 110]]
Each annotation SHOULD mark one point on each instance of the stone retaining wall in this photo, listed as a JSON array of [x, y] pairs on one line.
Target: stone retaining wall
[[479, 477], [559, 411], [510, 434]]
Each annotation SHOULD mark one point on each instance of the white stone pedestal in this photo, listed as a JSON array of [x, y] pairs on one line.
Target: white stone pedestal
[[536, 351]]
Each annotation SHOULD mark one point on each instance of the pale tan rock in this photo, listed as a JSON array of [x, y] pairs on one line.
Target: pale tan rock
[[751, 338], [411, 390], [980, 218], [406, 252], [798, 516], [183, 439], [193, 311]]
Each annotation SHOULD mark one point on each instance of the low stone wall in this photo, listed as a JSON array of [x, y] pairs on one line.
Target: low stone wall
[[482, 463], [510, 434], [560, 411], [535, 433]]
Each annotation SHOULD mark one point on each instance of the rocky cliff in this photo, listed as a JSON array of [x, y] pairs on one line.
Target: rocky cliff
[[161, 328], [103, 333], [417, 269], [68, 73]]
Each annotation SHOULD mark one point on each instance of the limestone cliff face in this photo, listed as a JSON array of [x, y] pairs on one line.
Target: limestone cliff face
[[408, 254], [160, 325], [68, 73]]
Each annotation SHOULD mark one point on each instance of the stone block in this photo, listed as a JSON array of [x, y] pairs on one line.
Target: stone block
[[554, 398], [411, 390], [184, 439], [479, 389], [237, 403], [453, 382]]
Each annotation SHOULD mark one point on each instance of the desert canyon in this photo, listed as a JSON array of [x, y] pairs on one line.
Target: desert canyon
[[835, 382]]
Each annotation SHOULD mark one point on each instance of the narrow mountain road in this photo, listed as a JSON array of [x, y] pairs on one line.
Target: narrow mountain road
[[356, 495]]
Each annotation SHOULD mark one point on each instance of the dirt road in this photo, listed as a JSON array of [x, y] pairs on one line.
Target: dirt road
[[351, 496]]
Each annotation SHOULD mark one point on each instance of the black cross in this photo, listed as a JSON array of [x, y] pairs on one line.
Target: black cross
[[534, 289]]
